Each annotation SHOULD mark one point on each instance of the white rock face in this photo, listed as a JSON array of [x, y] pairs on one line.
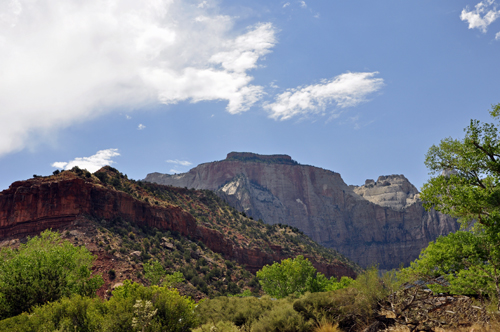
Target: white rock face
[[393, 191]]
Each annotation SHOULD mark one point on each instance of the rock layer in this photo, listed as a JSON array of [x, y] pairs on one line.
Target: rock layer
[[382, 222], [28, 207]]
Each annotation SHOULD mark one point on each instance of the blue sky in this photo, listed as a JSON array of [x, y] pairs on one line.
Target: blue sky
[[362, 88]]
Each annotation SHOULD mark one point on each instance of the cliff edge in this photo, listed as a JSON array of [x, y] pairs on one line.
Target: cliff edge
[[382, 222]]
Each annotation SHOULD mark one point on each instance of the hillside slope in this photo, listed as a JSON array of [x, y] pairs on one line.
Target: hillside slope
[[112, 215], [382, 222]]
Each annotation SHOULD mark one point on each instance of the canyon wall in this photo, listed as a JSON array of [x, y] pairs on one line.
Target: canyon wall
[[382, 222], [28, 207]]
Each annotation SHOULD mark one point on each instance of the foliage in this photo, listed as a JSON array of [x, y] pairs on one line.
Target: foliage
[[154, 272], [44, 269], [221, 326], [350, 307], [296, 276], [468, 175], [132, 307], [353, 308], [143, 314], [68, 314], [465, 184], [243, 312], [174, 312], [466, 260]]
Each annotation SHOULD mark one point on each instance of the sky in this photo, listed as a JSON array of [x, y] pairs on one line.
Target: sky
[[362, 88]]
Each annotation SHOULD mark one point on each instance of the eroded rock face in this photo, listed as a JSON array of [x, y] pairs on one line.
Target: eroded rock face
[[29, 207], [382, 222], [393, 191]]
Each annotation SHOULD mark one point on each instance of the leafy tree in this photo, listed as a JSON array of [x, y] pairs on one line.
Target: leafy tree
[[468, 261], [44, 269], [296, 276], [288, 277], [465, 185]]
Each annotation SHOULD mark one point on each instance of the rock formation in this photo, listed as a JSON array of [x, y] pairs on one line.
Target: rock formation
[[382, 222], [64, 201]]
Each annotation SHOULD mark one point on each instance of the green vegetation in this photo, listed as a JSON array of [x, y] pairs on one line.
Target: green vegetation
[[466, 185], [296, 276], [353, 308], [133, 307], [43, 270]]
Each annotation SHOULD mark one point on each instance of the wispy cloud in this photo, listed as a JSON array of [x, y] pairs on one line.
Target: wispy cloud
[[179, 162], [483, 14], [303, 4], [286, 5], [346, 90], [128, 117], [126, 54], [92, 163], [497, 36], [141, 126]]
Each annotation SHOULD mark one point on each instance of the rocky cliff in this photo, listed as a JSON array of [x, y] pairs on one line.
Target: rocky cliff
[[382, 222], [60, 202]]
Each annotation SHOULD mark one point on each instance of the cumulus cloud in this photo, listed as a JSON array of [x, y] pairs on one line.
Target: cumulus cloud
[[345, 90], [303, 4], [92, 163], [141, 126], [497, 36], [179, 162], [483, 14], [67, 61]]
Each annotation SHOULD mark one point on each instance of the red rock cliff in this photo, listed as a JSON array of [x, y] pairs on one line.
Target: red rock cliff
[[28, 207]]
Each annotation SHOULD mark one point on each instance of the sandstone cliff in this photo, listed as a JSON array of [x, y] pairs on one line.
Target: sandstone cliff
[[60, 202], [382, 222]]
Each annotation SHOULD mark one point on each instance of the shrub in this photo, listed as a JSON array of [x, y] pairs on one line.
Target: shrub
[[174, 312], [43, 270]]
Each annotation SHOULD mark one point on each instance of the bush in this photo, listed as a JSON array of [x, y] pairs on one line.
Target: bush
[[174, 312], [282, 318], [43, 270], [64, 315]]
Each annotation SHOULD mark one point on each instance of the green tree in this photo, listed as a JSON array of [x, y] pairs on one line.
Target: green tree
[[296, 276], [465, 185], [43, 270]]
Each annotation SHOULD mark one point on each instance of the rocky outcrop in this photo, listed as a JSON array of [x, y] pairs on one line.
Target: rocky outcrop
[[28, 207], [393, 191], [382, 222]]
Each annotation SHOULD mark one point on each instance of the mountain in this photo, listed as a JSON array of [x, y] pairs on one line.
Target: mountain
[[125, 223], [382, 222]]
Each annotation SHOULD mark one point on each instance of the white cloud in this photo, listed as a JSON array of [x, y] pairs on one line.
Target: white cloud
[[141, 126], [92, 163], [303, 4], [286, 5], [482, 16], [67, 61], [179, 162], [128, 117], [346, 90], [175, 171], [497, 36]]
